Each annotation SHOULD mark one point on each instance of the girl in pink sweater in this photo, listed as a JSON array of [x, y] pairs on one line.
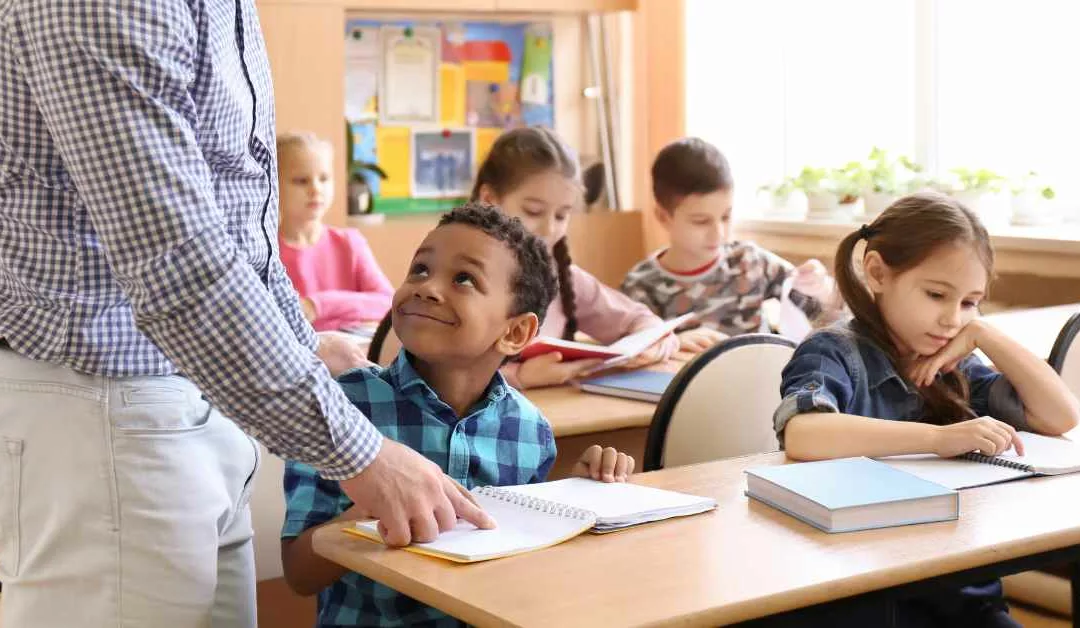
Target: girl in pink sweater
[[533, 176], [339, 281]]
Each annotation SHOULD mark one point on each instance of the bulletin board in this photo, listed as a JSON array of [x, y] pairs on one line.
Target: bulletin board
[[426, 100]]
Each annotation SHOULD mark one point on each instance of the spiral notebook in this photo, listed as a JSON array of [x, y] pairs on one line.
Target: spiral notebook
[[535, 516], [1043, 455]]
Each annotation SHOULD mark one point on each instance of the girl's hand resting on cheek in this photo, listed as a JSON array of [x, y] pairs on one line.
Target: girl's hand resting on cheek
[[925, 369]]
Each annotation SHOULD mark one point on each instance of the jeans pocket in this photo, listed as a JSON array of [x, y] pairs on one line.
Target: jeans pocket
[[11, 465], [158, 409]]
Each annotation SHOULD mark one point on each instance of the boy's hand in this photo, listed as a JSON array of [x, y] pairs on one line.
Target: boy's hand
[[549, 370], [700, 339], [989, 436], [341, 352], [605, 464]]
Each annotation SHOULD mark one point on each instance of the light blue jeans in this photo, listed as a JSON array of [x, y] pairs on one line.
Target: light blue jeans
[[123, 503]]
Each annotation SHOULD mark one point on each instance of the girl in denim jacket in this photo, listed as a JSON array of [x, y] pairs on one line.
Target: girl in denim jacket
[[900, 377]]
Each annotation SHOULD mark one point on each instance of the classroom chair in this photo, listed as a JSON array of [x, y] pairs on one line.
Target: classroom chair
[[1065, 356], [385, 345], [720, 404]]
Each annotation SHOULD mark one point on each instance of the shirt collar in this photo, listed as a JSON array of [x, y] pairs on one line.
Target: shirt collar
[[879, 368], [409, 383]]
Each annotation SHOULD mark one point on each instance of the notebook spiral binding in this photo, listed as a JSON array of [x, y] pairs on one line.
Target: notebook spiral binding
[[535, 503], [994, 460]]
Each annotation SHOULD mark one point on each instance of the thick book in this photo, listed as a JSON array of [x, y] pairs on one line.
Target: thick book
[[614, 354], [1043, 455], [851, 494], [535, 516], [640, 385]]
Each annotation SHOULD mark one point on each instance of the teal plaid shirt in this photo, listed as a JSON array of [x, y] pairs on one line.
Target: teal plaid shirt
[[502, 441]]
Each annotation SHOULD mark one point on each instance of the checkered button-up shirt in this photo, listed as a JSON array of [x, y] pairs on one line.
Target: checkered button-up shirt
[[502, 441], [138, 213]]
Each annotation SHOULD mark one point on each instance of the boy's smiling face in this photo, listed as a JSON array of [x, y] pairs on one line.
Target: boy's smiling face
[[455, 305]]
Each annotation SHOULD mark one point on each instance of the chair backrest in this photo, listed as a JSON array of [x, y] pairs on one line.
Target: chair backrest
[[1065, 356], [385, 345], [720, 404]]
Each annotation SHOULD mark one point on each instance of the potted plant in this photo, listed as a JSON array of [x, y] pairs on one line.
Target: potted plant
[[821, 200], [847, 183], [361, 201], [784, 199], [887, 179], [1033, 202], [981, 191]]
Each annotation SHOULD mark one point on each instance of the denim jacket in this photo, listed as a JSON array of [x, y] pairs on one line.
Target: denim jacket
[[839, 369]]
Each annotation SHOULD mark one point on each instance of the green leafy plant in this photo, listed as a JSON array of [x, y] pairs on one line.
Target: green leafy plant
[[811, 179], [888, 175], [782, 188], [849, 181], [357, 181], [1031, 181], [978, 180]]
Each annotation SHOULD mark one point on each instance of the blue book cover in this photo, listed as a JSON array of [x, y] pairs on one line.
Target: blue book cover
[[851, 483], [648, 383]]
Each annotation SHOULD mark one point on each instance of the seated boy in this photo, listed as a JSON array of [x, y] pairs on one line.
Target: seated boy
[[703, 270], [474, 296]]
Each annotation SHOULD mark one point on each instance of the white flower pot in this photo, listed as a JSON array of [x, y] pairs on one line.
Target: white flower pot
[[1030, 208], [877, 202], [822, 205], [794, 205], [993, 208]]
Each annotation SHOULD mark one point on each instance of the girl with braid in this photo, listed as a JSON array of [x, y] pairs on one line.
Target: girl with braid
[[532, 175]]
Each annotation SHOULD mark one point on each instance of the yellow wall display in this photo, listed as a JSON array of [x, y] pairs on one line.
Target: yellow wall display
[[484, 139], [452, 101], [393, 144]]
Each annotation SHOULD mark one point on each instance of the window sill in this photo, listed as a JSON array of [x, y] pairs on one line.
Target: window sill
[[1051, 251]]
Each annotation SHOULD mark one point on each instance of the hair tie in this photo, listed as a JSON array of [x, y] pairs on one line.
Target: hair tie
[[866, 232]]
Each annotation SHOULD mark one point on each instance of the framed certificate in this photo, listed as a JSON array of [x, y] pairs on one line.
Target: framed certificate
[[409, 76]]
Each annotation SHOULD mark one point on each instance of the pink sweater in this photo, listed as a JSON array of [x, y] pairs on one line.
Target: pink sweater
[[341, 277], [604, 314]]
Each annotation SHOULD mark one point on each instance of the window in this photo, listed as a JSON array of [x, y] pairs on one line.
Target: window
[[780, 84]]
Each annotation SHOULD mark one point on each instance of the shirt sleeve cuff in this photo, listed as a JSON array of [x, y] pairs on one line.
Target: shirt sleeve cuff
[[805, 400], [358, 445]]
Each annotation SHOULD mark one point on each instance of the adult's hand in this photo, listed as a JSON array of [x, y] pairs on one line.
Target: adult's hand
[[411, 497]]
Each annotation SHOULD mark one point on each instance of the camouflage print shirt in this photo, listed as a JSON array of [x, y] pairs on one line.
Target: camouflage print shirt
[[727, 295]]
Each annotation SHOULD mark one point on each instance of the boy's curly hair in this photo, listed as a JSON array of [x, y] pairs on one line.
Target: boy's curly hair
[[534, 284]]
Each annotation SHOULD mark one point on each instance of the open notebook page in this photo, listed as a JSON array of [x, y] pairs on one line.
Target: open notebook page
[[520, 529], [1045, 454], [618, 504]]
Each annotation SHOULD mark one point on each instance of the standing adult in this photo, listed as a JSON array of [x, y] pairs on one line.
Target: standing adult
[[141, 302]]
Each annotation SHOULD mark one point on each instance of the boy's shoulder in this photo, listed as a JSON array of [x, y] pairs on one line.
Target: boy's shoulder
[[368, 385], [646, 267]]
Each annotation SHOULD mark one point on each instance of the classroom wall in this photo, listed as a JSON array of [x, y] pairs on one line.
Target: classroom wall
[[606, 244]]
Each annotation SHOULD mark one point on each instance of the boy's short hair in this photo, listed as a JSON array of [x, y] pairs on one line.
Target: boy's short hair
[[534, 284], [686, 167]]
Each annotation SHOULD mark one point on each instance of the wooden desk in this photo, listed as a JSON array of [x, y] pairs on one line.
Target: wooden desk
[[1035, 328], [742, 561]]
